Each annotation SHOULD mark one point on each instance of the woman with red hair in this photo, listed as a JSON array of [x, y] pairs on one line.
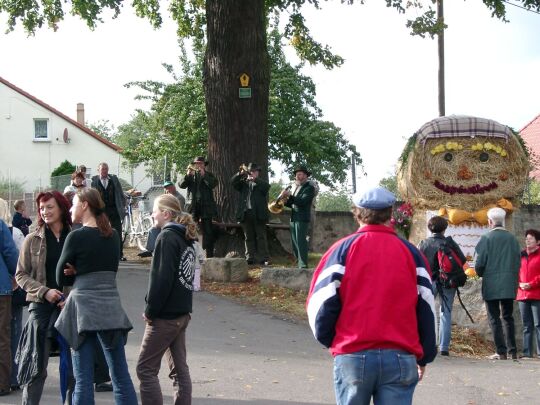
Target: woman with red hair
[[36, 274]]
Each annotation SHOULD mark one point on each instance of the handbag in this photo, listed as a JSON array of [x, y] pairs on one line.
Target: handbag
[[19, 298]]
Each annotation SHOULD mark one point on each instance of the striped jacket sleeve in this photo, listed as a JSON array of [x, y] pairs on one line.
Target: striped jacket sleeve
[[425, 307], [323, 303]]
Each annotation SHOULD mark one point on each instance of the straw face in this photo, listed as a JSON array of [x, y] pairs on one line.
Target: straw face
[[465, 172]]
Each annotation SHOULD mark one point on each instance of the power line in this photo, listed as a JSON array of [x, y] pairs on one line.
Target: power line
[[521, 7]]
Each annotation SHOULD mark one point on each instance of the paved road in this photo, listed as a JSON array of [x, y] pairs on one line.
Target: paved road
[[239, 355]]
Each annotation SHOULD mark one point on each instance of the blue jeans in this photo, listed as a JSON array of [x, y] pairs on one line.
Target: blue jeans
[[530, 315], [16, 330], [445, 316], [387, 375], [152, 236], [83, 369]]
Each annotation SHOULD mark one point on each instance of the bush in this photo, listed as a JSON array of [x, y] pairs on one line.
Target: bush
[[65, 168]]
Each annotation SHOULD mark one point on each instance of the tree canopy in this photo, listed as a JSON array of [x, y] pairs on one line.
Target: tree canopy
[[176, 125], [191, 19]]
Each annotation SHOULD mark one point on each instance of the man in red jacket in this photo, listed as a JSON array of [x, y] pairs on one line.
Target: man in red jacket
[[371, 303]]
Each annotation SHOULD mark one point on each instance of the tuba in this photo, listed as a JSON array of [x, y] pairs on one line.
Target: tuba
[[276, 206]]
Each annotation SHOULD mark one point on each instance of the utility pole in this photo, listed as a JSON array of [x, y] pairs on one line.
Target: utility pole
[[353, 173], [440, 36]]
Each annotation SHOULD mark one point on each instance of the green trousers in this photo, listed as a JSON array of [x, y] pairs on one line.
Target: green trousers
[[299, 231]]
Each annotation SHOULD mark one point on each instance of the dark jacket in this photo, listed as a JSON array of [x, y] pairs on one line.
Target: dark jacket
[[21, 222], [258, 199], [300, 203], [498, 259], [430, 247], [8, 259], [119, 197], [202, 196], [170, 288]]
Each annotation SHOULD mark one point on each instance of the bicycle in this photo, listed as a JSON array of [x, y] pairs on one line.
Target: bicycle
[[136, 226]]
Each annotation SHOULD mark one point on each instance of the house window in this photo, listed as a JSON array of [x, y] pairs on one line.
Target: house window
[[41, 129]]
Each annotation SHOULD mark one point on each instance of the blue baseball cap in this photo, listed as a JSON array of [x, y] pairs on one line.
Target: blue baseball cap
[[376, 198]]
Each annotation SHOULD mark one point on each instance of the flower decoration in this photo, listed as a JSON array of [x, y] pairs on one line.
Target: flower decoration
[[443, 147], [402, 219], [488, 146]]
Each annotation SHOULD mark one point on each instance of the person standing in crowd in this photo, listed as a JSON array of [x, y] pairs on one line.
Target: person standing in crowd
[[82, 169], [18, 297], [371, 303], [430, 247], [497, 262], [528, 295], [20, 218], [8, 264], [169, 302], [300, 201], [168, 188], [93, 314], [36, 274], [252, 212], [77, 183], [114, 198], [200, 184]]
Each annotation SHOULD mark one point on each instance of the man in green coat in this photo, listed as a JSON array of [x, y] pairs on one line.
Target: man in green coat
[[300, 201], [200, 184], [252, 212], [497, 262]]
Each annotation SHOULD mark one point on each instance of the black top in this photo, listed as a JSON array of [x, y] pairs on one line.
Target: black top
[[88, 251], [20, 222], [170, 287], [54, 249]]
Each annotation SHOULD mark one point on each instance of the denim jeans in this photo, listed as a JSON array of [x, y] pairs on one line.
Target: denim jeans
[[16, 330], [493, 309], [445, 315], [530, 315], [387, 375], [83, 369]]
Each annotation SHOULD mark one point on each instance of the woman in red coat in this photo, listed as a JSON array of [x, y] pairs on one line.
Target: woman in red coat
[[529, 292]]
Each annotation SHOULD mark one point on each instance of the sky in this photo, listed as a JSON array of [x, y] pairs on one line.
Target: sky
[[384, 92]]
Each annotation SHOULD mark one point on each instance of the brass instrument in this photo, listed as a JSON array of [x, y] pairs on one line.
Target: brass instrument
[[276, 206], [191, 168], [243, 169]]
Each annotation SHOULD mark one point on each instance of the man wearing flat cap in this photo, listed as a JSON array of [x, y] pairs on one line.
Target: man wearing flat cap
[[371, 303], [252, 212], [498, 259], [299, 201], [200, 184]]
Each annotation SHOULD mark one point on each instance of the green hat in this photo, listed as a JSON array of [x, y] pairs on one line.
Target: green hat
[[168, 184]]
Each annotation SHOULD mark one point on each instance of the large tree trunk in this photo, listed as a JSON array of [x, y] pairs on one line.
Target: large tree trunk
[[237, 128]]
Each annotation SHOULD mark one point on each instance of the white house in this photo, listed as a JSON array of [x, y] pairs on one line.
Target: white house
[[35, 138]]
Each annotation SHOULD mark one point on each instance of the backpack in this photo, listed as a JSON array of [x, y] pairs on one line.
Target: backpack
[[451, 273]]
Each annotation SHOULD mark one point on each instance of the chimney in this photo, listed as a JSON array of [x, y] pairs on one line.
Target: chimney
[[80, 113]]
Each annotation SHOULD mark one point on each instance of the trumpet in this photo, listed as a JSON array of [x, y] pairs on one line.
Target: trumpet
[[276, 206], [243, 169], [191, 168]]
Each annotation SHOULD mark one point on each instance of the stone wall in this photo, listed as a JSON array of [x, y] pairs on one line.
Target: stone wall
[[331, 226]]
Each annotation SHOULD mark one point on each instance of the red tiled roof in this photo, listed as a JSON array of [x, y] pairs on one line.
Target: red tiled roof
[[531, 135], [63, 116]]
